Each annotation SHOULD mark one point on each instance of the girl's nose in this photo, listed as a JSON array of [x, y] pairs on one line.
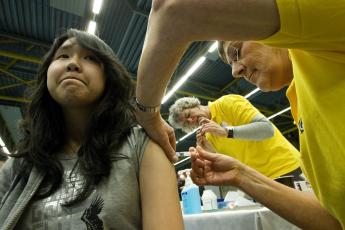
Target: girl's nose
[[73, 65]]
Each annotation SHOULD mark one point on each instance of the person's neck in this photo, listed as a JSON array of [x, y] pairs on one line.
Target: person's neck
[[76, 121], [71, 147]]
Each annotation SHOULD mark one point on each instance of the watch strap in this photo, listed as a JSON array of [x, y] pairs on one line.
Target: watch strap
[[146, 109]]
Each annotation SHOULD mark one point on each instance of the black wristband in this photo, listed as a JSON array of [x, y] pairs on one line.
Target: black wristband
[[230, 132]]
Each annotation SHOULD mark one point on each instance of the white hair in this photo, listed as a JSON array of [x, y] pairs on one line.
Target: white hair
[[177, 108]]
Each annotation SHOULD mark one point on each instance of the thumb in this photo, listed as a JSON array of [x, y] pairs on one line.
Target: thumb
[[203, 121], [205, 154], [168, 149]]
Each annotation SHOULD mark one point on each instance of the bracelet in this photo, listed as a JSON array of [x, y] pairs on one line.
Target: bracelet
[[146, 109]]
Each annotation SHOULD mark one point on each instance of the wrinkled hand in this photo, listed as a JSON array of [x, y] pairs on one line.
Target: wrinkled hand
[[203, 142], [159, 131], [209, 126], [214, 168]]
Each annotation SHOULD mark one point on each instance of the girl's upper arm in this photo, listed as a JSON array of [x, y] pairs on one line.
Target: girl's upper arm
[[159, 194]]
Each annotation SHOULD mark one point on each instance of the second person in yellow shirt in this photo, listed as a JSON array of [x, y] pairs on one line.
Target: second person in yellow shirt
[[234, 127]]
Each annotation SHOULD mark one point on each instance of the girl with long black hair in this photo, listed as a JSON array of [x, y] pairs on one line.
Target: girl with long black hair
[[82, 162]]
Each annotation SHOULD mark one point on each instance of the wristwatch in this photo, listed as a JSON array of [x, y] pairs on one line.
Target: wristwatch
[[230, 132], [146, 109]]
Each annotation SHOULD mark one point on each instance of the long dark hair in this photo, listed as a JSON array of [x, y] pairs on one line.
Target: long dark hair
[[43, 124]]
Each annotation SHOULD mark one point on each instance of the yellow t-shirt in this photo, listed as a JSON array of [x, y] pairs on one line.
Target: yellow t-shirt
[[315, 33], [272, 157]]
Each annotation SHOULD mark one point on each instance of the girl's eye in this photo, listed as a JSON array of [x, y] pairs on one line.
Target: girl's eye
[[92, 58], [62, 56]]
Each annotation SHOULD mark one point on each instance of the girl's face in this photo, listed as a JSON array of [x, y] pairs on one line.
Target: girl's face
[[76, 76]]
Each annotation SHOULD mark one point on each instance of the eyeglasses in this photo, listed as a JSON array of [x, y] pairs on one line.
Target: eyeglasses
[[233, 53]]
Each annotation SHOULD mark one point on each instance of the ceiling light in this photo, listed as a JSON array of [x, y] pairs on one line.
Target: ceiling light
[[5, 149], [97, 4], [280, 112], [91, 27], [196, 65], [2, 143], [213, 47], [251, 93]]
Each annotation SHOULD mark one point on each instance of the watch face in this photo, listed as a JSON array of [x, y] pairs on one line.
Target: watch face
[[230, 132]]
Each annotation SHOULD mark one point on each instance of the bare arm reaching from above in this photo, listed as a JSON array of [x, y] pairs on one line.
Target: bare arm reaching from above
[[172, 25], [300, 208]]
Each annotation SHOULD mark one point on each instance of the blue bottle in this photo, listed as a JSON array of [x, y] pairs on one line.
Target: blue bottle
[[190, 197]]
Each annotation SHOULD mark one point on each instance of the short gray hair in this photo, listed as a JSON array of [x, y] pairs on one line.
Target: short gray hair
[[176, 109]]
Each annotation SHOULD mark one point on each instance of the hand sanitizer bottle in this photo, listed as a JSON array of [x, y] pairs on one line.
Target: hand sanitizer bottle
[[190, 197]]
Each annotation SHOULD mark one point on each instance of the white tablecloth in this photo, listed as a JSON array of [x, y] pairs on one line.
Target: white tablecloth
[[257, 218]]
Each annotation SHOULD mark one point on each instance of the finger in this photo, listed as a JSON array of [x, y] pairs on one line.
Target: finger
[[206, 155], [199, 180], [203, 121], [169, 151], [202, 131], [191, 149], [199, 163], [209, 127], [197, 167], [167, 147], [172, 139], [193, 155], [207, 167]]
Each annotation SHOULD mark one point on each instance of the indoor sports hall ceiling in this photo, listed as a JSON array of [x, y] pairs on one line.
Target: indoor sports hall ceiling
[[28, 27]]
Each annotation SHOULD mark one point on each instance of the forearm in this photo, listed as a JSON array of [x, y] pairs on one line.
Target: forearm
[[161, 53], [259, 129], [299, 208], [173, 24]]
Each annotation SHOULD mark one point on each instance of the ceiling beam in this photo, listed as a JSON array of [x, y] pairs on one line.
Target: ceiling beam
[[200, 84], [235, 80], [25, 39], [15, 99], [133, 6], [191, 94], [14, 85], [20, 57], [289, 130], [7, 41], [14, 61], [15, 77]]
